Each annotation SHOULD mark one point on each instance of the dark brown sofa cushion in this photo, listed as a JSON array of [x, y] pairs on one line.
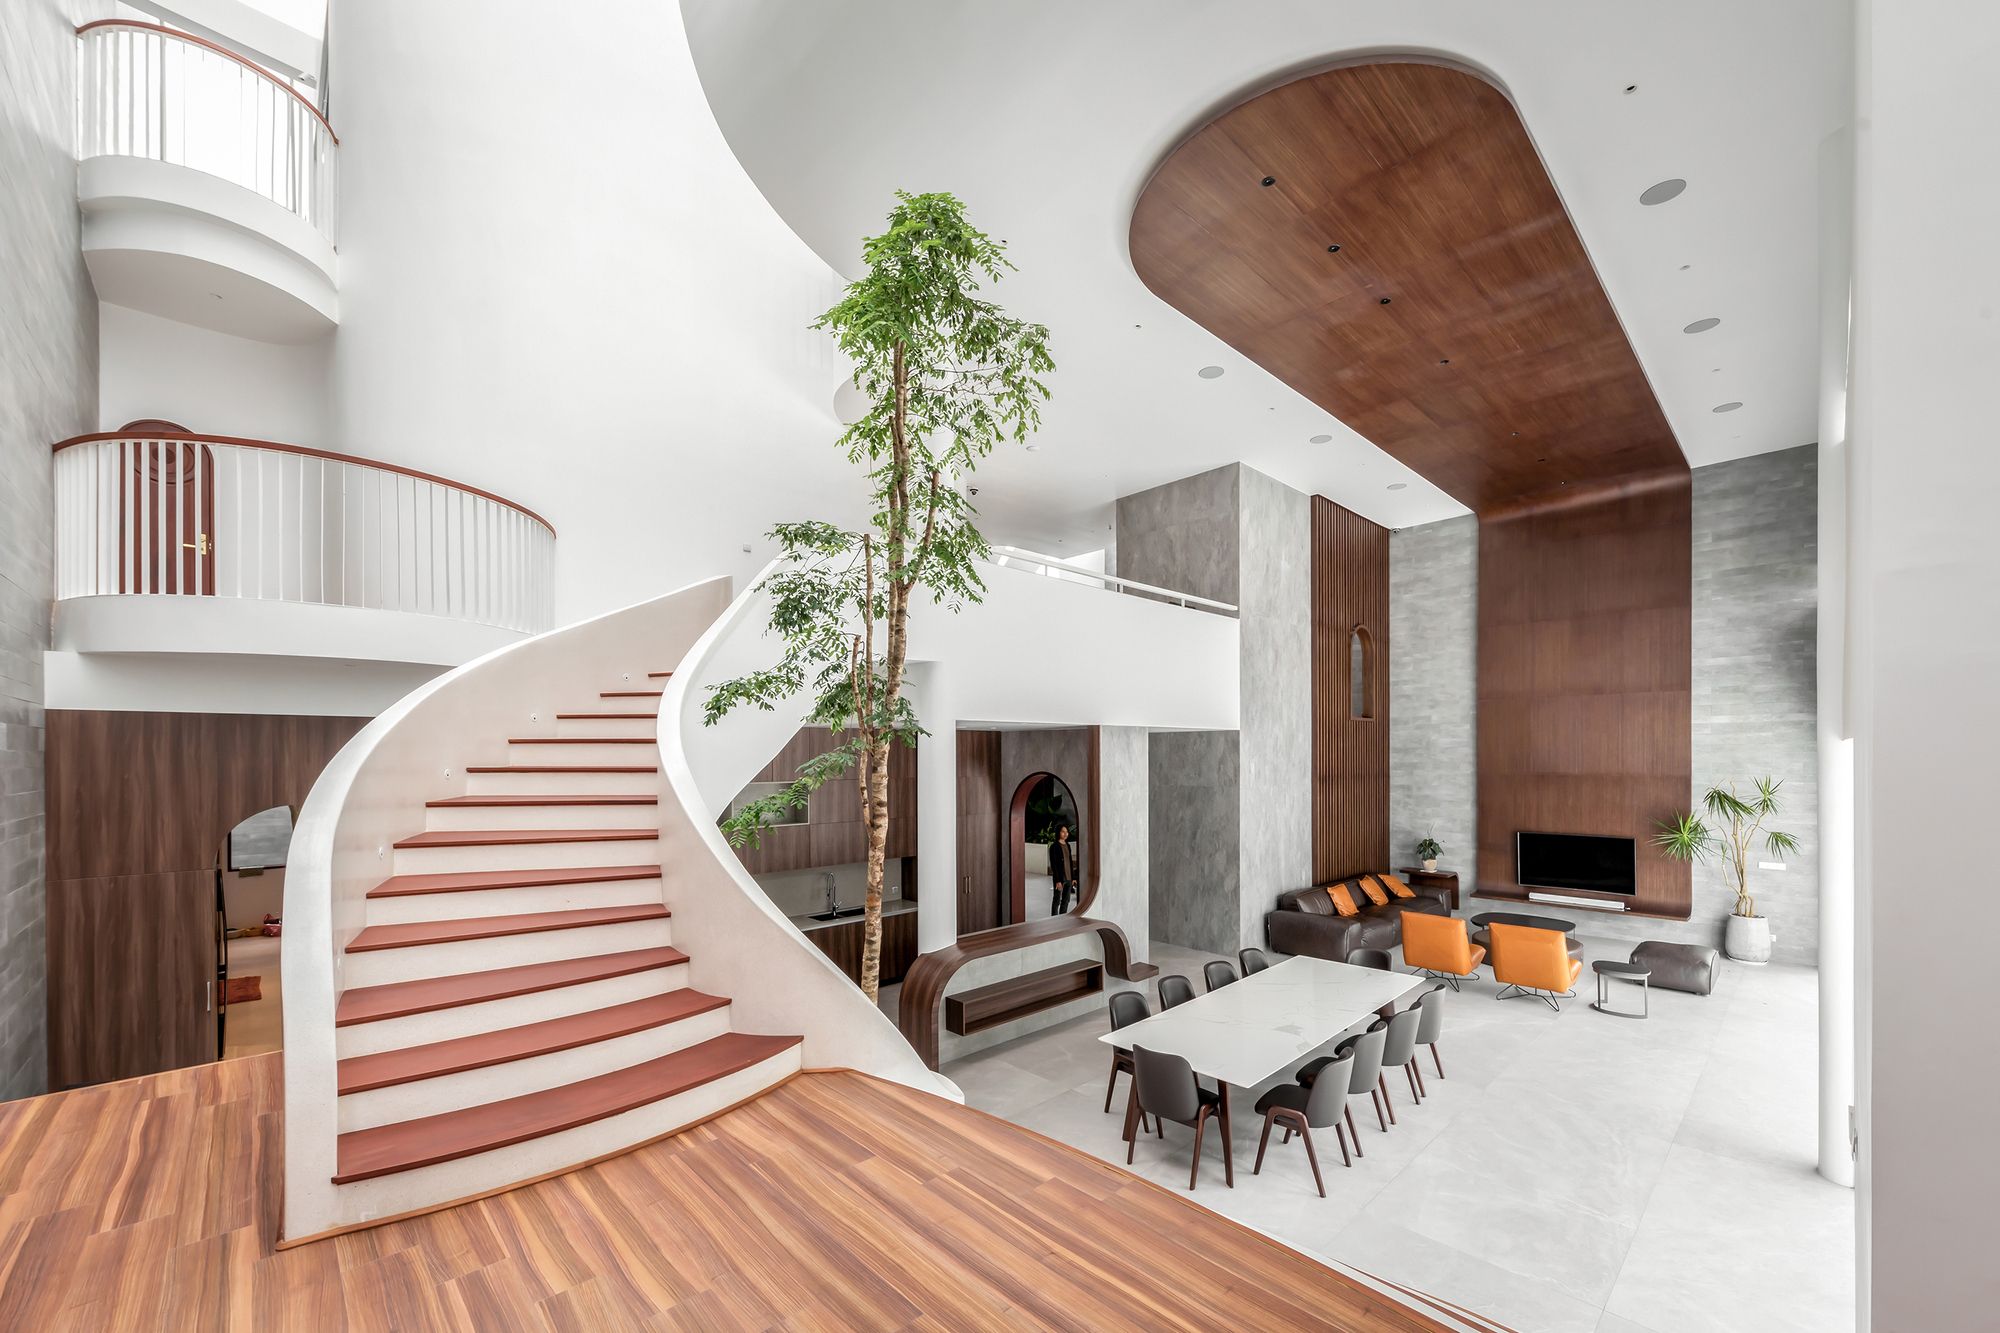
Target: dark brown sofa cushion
[[1303, 922]]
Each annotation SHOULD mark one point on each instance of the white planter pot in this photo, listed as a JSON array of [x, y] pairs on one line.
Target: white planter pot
[[1747, 939], [1431, 864]]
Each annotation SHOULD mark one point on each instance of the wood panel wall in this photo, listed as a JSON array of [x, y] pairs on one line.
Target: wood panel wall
[[138, 807], [834, 834], [980, 828], [1585, 676], [1350, 756]]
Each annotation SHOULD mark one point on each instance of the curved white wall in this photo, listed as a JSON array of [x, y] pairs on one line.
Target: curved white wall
[[558, 284]]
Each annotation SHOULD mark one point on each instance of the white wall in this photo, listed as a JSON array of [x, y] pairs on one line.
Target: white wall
[[558, 284], [210, 382], [1925, 629]]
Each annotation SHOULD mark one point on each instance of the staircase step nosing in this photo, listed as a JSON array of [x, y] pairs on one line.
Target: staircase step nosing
[[435, 993]]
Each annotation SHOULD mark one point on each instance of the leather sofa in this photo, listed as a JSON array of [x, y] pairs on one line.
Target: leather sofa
[[1304, 921]]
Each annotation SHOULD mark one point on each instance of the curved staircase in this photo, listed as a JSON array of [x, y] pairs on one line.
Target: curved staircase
[[516, 976]]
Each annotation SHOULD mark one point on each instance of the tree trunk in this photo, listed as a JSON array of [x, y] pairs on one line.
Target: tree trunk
[[877, 816]]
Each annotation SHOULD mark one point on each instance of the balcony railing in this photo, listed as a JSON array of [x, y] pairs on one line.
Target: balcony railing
[[147, 91], [1014, 557], [188, 515]]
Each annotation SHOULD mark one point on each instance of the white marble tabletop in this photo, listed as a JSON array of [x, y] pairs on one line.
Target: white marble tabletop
[[1254, 1027]]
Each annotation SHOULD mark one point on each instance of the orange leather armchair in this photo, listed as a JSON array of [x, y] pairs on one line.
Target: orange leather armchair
[[1439, 946], [1534, 962]]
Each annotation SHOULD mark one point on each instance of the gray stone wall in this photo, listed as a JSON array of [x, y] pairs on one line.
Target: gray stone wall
[[1183, 535], [1433, 692], [48, 391], [1275, 746], [1194, 839], [1755, 593], [1124, 780]]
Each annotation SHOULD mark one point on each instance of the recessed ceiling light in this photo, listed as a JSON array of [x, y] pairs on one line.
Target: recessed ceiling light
[[1399, 485], [1210, 372], [1725, 407], [1684, 268], [1269, 181], [1384, 301], [1665, 190], [1320, 439], [1034, 448], [1701, 325], [1631, 87], [1444, 360], [1541, 460]]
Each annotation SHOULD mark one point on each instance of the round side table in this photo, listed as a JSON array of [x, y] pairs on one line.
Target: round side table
[[1607, 971]]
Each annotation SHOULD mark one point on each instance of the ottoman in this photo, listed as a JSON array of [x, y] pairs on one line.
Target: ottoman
[[1682, 967]]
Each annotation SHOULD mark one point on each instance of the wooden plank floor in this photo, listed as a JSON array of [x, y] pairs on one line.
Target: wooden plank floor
[[833, 1202]]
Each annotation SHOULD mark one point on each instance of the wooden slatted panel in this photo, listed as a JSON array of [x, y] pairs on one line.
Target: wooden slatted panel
[[1350, 756]]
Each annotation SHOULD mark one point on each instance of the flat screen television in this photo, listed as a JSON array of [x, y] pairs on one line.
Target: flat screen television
[[1576, 861]]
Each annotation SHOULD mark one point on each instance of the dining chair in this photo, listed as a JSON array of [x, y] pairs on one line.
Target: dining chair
[[1165, 1087], [1375, 958], [1217, 974], [1399, 1048], [1127, 1008], [1431, 1005], [1366, 1048], [1305, 1109], [1253, 960], [1175, 989]]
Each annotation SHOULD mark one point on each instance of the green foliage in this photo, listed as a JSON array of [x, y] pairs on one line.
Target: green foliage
[[1429, 849], [1728, 834], [1045, 813], [949, 377]]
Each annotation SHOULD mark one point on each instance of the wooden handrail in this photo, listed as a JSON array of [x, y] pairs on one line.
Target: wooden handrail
[[189, 437], [220, 50]]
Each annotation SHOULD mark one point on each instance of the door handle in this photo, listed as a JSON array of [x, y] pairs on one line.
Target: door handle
[[199, 546], [208, 997]]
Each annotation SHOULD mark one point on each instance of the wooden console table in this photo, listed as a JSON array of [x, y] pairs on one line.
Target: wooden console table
[[1419, 878]]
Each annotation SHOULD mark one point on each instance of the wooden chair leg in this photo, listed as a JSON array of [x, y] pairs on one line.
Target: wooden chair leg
[[1341, 1137], [1348, 1111], [1417, 1068], [1263, 1142], [1111, 1085], [1132, 1114], [1288, 1134], [1382, 1082], [1313, 1157], [1376, 1098], [1228, 1142], [1200, 1123], [1409, 1076], [1434, 1059]]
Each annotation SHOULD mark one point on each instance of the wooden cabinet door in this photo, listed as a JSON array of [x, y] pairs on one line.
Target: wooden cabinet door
[[131, 975]]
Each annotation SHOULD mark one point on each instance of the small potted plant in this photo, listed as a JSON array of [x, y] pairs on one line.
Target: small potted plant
[[1738, 819], [1428, 852]]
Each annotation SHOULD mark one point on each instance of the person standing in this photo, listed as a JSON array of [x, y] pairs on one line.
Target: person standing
[[1062, 871]]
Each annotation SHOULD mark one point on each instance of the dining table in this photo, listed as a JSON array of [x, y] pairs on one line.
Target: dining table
[[1259, 1025]]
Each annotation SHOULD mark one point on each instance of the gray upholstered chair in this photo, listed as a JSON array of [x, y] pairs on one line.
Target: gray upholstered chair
[[1366, 1047], [1175, 989], [1305, 1109], [1431, 1005], [1217, 974], [1253, 960], [1127, 1008], [1165, 1087], [1375, 958], [1399, 1049]]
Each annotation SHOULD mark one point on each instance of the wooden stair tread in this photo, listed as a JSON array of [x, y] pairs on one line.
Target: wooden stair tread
[[622, 717], [583, 740], [476, 801], [409, 1144], [472, 837], [462, 881], [562, 768], [659, 675], [631, 694], [408, 934], [363, 1073], [397, 999]]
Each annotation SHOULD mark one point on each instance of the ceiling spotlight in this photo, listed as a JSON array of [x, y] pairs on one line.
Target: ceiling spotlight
[[1269, 181], [1034, 448], [1320, 439], [1333, 249], [1684, 268], [1384, 301], [1701, 325], [1399, 485], [1541, 460], [1725, 407], [1210, 372], [1665, 190], [1444, 360], [1631, 87]]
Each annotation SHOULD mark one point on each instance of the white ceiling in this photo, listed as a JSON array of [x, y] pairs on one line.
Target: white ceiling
[[1048, 116]]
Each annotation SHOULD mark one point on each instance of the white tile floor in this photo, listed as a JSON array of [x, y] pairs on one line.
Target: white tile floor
[[1571, 1171]]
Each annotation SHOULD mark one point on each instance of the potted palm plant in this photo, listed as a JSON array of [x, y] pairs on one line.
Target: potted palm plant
[[1428, 852], [1737, 823]]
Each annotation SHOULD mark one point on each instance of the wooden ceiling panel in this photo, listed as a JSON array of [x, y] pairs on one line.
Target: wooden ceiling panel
[[1498, 370]]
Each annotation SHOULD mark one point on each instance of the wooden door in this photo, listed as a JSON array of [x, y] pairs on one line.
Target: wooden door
[[166, 518]]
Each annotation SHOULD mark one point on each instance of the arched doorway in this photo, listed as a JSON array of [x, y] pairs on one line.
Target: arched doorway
[[1041, 804], [250, 905]]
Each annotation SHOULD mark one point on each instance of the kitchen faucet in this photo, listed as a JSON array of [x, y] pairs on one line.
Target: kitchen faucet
[[832, 893]]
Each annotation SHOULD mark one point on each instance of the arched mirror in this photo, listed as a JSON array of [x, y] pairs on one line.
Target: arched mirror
[[1361, 674], [1045, 852], [250, 906]]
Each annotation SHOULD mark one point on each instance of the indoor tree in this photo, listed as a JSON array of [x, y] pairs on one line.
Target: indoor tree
[[948, 377], [1738, 820]]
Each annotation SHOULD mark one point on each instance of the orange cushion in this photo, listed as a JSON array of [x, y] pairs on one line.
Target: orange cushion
[[1395, 885], [1343, 901], [1374, 891]]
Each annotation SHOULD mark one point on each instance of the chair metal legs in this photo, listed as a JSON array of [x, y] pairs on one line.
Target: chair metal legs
[[1513, 992], [1450, 979]]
